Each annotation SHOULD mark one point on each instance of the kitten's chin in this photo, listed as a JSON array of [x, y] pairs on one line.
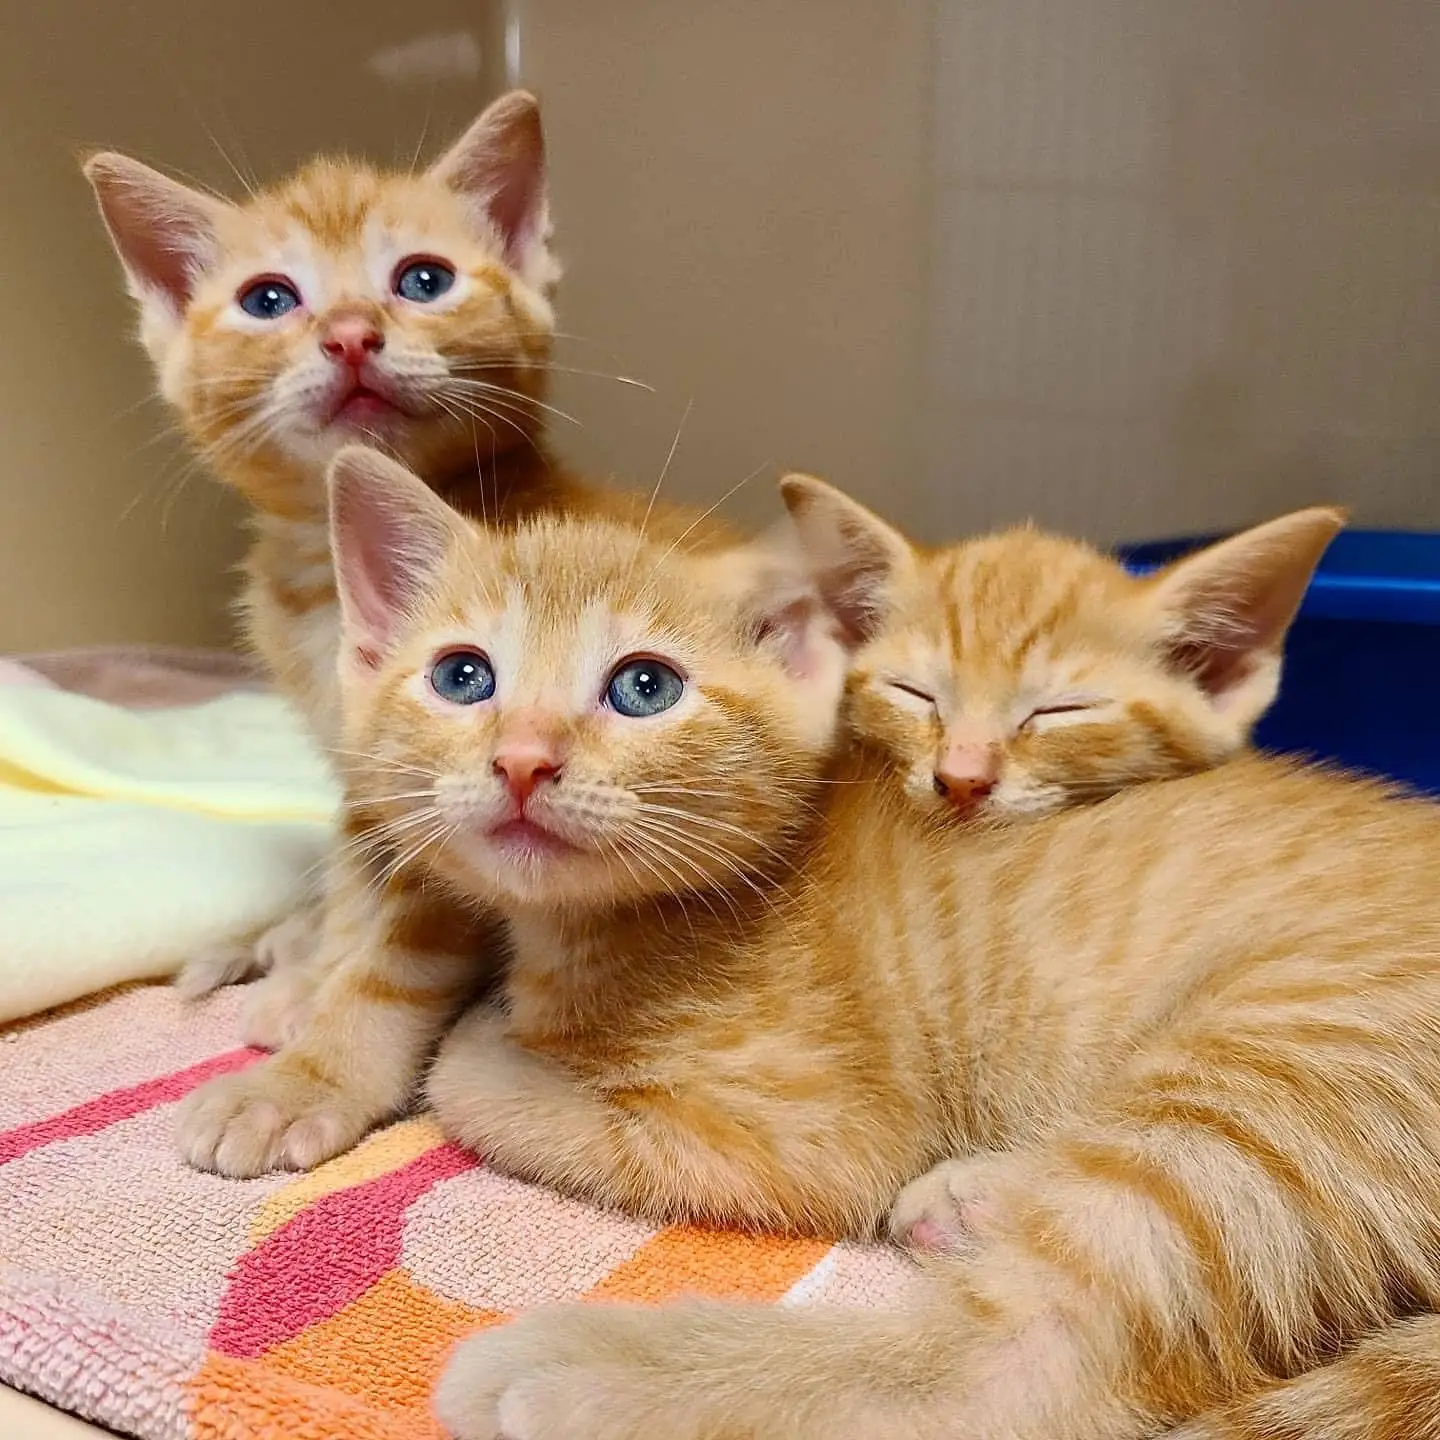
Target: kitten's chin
[[518, 863]]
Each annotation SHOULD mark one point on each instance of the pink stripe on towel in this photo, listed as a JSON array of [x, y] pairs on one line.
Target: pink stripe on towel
[[106, 1110], [316, 1264]]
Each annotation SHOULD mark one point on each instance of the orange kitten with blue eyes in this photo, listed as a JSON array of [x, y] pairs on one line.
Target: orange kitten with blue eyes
[[412, 310], [1161, 1071]]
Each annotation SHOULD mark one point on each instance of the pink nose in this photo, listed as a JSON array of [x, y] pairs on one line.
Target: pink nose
[[524, 767], [967, 774], [349, 339]]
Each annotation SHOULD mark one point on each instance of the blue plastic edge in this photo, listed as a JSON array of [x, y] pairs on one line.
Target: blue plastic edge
[[1402, 600]]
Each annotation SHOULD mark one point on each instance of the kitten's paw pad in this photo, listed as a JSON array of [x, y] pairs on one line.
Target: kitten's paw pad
[[941, 1211], [265, 1119]]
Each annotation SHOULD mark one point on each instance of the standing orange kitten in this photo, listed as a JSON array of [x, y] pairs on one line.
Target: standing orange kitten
[[410, 310], [1181, 1045]]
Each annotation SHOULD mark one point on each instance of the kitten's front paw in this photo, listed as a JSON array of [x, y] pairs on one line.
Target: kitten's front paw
[[942, 1211], [285, 945], [544, 1376], [272, 1117]]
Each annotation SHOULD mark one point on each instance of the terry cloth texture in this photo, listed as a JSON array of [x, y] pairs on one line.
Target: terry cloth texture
[[173, 1305]]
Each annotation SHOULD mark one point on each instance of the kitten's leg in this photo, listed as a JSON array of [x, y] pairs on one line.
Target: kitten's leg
[[666, 1156], [279, 1006], [1388, 1386], [622, 1372], [1245, 1199], [398, 963], [256, 956]]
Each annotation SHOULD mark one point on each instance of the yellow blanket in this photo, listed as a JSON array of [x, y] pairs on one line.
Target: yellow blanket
[[130, 839]]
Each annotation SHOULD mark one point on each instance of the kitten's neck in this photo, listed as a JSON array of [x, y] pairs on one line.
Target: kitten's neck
[[286, 491]]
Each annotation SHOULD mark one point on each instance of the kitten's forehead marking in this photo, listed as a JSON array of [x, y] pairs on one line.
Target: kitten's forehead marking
[[559, 660]]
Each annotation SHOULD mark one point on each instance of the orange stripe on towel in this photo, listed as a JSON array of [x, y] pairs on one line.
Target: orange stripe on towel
[[717, 1264], [386, 1348], [229, 1398]]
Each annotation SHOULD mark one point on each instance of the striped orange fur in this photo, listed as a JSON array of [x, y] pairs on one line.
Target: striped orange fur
[[1162, 1070], [258, 398]]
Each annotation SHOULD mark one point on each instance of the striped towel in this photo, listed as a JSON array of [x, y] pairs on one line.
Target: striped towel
[[169, 1304]]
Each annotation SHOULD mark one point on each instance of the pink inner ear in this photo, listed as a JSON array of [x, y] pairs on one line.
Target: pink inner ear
[[382, 556], [797, 628], [516, 204], [162, 230], [164, 262], [1216, 667]]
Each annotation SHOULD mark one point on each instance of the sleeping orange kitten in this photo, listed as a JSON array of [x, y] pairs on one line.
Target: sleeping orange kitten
[[344, 303], [1044, 694]]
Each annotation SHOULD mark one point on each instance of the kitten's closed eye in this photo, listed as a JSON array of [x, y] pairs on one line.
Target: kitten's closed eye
[[914, 692], [1063, 707]]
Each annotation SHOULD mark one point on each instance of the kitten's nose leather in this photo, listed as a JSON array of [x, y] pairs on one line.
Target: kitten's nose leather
[[350, 339], [963, 793], [967, 774], [524, 768]]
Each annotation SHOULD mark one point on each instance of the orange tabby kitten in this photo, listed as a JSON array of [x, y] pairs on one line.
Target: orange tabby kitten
[[1051, 693], [1194, 1025], [413, 310], [398, 956], [346, 303]]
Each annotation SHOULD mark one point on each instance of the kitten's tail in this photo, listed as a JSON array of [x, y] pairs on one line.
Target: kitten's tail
[[1387, 1388]]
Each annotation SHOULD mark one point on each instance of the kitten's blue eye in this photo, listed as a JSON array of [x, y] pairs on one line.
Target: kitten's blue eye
[[463, 677], [269, 299], [423, 280], [643, 687]]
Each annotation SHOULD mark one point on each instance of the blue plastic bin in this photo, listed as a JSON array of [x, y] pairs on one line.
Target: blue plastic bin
[[1362, 667]]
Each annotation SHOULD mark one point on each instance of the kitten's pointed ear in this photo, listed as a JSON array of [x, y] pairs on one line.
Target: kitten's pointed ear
[[498, 166], [389, 534], [1225, 611], [855, 558], [163, 231]]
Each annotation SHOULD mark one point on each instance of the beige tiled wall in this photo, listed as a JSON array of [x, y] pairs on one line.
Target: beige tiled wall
[[1186, 262]]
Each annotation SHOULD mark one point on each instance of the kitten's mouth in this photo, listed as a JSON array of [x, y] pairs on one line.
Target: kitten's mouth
[[364, 407], [522, 839]]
